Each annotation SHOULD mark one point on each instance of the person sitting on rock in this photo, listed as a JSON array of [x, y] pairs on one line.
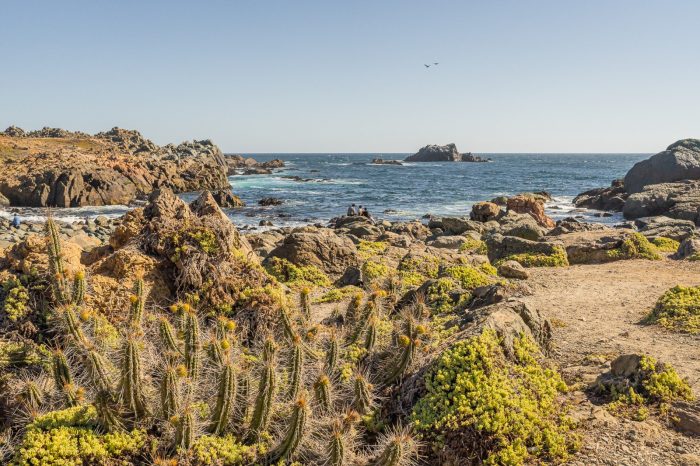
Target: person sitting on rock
[[351, 211], [361, 211], [365, 213], [16, 221]]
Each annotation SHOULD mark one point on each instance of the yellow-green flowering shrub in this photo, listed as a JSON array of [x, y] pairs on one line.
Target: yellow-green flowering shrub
[[338, 294], [678, 309], [427, 266], [531, 259], [439, 294], [17, 354], [68, 438], [369, 249], [473, 245], [224, 451], [372, 270], [509, 410], [410, 279], [467, 276], [296, 275], [664, 244], [15, 305], [635, 246]]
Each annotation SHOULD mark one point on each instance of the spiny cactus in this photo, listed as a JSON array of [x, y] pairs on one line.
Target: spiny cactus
[[169, 392], [192, 344], [107, 412], [351, 315], [408, 343], [31, 396], [61, 372], [397, 448], [78, 289], [185, 429], [242, 395], [74, 395], [341, 439], [97, 368], [216, 355], [371, 335], [225, 398], [363, 322], [287, 324], [295, 432], [323, 393], [305, 302], [131, 388], [269, 349], [138, 301], [296, 366], [56, 267], [167, 335], [73, 326], [224, 327], [332, 353], [363, 397], [264, 399]]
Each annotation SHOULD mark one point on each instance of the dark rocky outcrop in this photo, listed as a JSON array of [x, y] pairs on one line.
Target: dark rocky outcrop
[[500, 246], [679, 200], [226, 199], [680, 161], [661, 226], [270, 201], [611, 199], [380, 161], [485, 211], [239, 165]]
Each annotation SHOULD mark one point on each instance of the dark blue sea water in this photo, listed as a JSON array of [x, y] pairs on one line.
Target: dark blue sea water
[[409, 191]]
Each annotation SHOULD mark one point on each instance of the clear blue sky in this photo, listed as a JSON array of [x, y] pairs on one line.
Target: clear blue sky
[[334, 76]]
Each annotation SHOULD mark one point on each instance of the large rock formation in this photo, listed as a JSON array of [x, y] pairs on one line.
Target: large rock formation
[[610, 199], [680, 161], [57, 168], [679, 200], [436, 153]]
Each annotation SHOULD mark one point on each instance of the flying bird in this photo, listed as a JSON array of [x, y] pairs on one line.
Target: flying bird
[[436, 63], [427, 66]]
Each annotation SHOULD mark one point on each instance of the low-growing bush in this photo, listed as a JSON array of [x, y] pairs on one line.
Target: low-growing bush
[[664, 244], [678, 309], [530, 259], [296, 275], [634, 246]]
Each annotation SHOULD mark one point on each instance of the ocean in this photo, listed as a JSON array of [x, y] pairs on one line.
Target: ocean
[[333, 181]]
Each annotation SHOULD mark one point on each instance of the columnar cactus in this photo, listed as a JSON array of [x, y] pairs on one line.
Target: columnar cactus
[[287, 324], [192, 344], [296, 366], [225, 399], [340, 443], [264, 399], [78, 297], [363, 398], [107, 412], [56, 268], [371, 335], [97, 368], [305, 302], [169, 392], [73, 326], [396, 449], [216, 354], [185, 429], [323, 393], [138, 301], [131, 387], [61, 372], [332, 353], [351, 315], [408, 342], [295, 432], [167, 335], [363, 322], [31, 396]]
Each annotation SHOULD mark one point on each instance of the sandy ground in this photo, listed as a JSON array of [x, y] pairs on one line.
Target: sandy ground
[[596, 311]]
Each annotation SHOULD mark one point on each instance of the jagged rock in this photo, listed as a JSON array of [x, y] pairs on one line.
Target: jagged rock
[[680, 161], [436, 153], [415, 230], [351, 277], [485, 211], [513, 269], [379, 161], [226, 199], [269, 201], [679, 200], [469, 157], [520, 225], [531, 205], [689, 247], [686, 416], [593, 247], [448, 242], [610, 199], [459, 225], [572, 225], [653, 227], [319, 247], [236, 164], [500, 246], [115, 167]]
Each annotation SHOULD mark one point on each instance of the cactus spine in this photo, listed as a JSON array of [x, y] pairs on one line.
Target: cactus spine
[[296, 367], [322, 393], [138, 301], [362, 324], [398, 448], [295, 433], [336, 449], [242, 394], [78, 289], [168, 389], [192, 344], [225, 399], [131, 380], [56, 268], [31, 396]]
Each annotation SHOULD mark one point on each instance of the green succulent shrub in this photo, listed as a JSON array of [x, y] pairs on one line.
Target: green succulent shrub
[[678, 309]]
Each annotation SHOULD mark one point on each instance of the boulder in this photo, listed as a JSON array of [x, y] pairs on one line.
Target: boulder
[[436, 153], [459, 225], [270, 201], [680, 161], [653, 227], [414, 230], [320, 247], [485, 211], [448, 242], [500, 246], [625, 365], [513, 269], [520, 225], [351, 277], [689, 247], [226, 199], [679, 200], [686, 416], [610, 199], [572, 225], [531, 205]]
